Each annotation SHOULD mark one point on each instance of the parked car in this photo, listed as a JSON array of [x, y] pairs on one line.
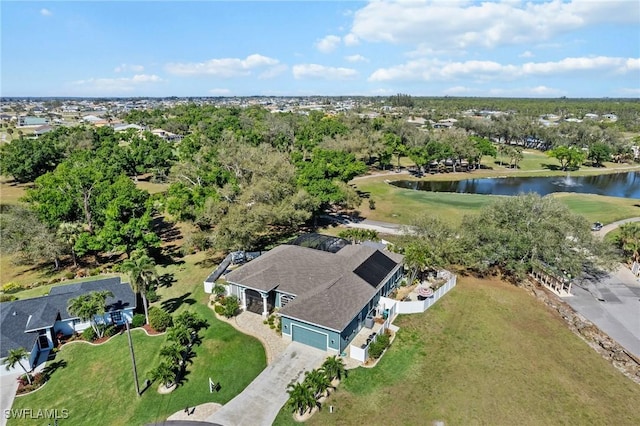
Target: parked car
[[596, 226]]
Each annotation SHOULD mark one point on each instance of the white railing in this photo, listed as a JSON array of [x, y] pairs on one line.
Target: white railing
[[419, 306]]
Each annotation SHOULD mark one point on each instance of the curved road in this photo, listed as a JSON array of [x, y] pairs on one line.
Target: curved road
[[613, 225]]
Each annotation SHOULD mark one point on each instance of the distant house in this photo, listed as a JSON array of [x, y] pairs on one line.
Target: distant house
[[32, 121], [123, 127], [168, 136], [41, 130], [323, 297], [34, 323]]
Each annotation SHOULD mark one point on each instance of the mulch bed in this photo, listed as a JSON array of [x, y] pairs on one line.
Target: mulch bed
[[150, 330]]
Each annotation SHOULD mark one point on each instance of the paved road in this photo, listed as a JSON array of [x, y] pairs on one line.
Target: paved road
[[260, 402], [612, 302], [613, 225]]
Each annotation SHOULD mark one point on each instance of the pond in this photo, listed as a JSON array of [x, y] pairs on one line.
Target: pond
[[626, 185]]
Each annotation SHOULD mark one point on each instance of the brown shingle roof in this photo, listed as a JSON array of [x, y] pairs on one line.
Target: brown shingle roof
[[328, 292]]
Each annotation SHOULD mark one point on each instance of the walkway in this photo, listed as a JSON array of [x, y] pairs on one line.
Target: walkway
[[251, 324], [260, 402]]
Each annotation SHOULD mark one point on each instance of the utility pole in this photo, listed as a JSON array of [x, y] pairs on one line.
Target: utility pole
[[133, 358]]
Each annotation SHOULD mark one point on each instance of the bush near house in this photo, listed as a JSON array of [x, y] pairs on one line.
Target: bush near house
[[89, 334], [138, 320], [159, 319], [377, 348]]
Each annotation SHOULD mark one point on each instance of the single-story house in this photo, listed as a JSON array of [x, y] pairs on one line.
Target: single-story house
[[34, 323], [323, 298]]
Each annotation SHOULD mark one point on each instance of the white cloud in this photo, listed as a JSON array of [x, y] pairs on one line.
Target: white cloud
[[435, 69], [116, 85], [128, 67], [328, 44], [223, 67], [45, 12], [356, 58], [460, 24], [526, 54], [351, 40], [272, 72], [315, 71], [219, 91]]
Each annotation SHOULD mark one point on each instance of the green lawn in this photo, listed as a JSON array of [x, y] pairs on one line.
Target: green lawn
[[96, 385], [487, 353]]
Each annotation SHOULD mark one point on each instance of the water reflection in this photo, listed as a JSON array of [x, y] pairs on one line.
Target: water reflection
[[626, 185]]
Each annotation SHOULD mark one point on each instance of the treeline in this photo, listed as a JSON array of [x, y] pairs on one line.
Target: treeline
[[242, 177]]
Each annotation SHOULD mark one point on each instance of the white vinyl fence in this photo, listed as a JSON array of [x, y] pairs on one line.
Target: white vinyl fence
[[422, 305]]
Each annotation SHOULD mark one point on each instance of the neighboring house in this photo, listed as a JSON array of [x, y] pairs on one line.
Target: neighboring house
[[323, 298], [32, 121], [122, 127], [41, 130], [34, 323], [168, 136]]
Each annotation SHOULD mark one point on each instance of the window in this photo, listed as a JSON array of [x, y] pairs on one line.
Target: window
[[116, 317]]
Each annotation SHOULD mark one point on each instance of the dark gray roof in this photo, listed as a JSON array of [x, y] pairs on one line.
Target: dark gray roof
[[20, 319], [328, 290]]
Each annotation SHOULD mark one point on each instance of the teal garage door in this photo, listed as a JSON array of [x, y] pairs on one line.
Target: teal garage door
[[309, 337]]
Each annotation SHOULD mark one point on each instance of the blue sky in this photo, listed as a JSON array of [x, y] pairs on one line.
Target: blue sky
[[585, 48]]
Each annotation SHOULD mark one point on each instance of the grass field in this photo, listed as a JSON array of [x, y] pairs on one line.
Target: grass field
[[487, 353], [96, 384]]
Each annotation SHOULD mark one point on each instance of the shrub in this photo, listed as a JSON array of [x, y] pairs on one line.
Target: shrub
[[372, 204], [89, 334], [219, 290], [138, 320], [159, 319], [110, 331], [231, 306], [93, 272], [377, 347], [152, 296], [7, 297], [69, 275], [219, 309], [11, 287]]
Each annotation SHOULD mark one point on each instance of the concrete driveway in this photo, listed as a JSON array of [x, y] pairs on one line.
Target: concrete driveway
[[8, 388], [611, 302], [260, 402]]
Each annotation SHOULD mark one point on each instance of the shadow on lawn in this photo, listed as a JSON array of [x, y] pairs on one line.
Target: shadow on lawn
[[171, 305], [52, 367]]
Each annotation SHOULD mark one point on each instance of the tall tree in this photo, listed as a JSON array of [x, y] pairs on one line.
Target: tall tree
[[142, 277], [519, 232]]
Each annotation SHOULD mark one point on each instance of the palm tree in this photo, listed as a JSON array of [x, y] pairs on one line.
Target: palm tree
[[334, 368], [68, 233], [318, 382], [301, 397], [179, 334], [87, 306], [172, 353], [165, 373], [143, 276], [629, 239], [16, 356]]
